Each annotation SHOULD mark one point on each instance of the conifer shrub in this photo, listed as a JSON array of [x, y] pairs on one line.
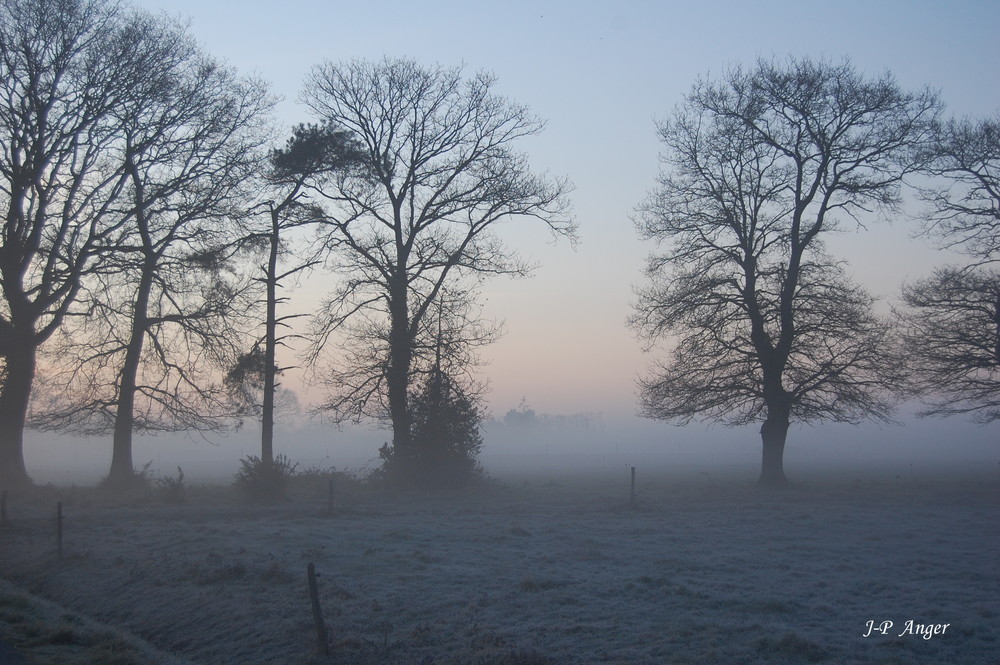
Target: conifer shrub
[[445, 438], [262, 480]]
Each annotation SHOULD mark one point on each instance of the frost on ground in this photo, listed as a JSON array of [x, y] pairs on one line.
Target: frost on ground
[[37, 632], [699, 570]]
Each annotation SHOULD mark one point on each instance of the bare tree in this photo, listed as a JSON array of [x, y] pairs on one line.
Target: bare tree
[[758, 167], [66, 67], [952, 326], [312, 154], [952, 337], [157, 317], [964, 212], [440, 175]]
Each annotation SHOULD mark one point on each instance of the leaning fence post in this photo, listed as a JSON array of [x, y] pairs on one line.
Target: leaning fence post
[[321, 641]]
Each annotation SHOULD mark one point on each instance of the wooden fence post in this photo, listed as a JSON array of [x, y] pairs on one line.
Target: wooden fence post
[[321, 640]]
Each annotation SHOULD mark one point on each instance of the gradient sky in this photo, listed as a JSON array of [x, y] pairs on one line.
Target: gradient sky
[[601, 74]]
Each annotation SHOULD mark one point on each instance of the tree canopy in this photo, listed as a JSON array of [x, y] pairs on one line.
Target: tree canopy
[[963, 206], [951, 331], [417, 225], [758, 167]]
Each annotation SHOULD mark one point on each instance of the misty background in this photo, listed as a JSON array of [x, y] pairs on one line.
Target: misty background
[[600, 75], [548, 450]]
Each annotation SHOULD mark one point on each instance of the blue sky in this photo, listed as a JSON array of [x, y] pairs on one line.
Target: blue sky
[[601, 73]]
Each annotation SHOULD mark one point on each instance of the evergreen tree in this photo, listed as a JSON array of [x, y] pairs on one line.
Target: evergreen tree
[[446, 432]]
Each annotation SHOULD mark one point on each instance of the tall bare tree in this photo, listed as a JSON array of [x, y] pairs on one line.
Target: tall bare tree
[[159, 314], [66, 68], [440, 176], [758, 167], [312, 154]]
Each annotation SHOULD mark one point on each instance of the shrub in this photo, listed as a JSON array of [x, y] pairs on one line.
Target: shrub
[[445, 438], [265, 480], [138, 481], [172, 489]]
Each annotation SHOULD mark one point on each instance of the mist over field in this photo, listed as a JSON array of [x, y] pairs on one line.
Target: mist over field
[[606, 445], [557, 565]]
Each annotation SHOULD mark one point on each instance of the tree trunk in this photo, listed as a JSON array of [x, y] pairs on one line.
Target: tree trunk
[[399, 408], [14, 396], [270, 342], [996, 320], [122, 473], [398, 379], [773, 433]]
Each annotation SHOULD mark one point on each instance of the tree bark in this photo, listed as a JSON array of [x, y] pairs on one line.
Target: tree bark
[[400, 358], [270, 342], [122, 473], [773, 433], [996, 320], [14, 396]]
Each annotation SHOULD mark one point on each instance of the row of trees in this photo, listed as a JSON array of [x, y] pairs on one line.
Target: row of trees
[[124, 147], [151, 225], [765, 325], [140, 192]]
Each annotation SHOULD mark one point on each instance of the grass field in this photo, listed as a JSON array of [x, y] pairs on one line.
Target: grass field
[[563, 570]]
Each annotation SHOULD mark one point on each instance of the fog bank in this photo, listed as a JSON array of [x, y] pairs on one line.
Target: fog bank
[[545, 447]]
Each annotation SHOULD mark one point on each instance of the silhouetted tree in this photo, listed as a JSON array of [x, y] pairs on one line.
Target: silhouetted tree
[[445, 431], [67, 69], [757, 167], [964, 212], [440, 174], [158, 323], [312, 154], [952, 338], [952, 326]]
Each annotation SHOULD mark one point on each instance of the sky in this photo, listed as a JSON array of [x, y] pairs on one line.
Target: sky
[[601, 74]]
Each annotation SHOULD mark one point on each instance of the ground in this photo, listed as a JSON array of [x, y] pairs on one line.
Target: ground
[[562, 570]]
